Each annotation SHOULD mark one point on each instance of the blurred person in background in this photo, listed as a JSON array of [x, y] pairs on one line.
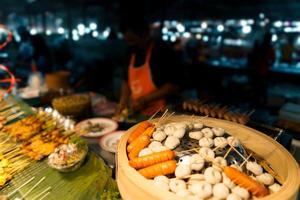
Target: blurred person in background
[[260, 59], [41, 55], [287, 50], [25, 55], [152, 73]]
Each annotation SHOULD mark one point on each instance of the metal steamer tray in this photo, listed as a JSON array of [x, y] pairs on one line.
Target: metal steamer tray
[[232, 157]]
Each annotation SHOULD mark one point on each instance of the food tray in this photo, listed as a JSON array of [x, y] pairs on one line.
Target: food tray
[[132, 185]]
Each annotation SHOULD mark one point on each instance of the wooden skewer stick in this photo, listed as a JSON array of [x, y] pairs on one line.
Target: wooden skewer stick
[[250, 113], [19, 163], [16, 158], [237, 151], [189, 150], [41, 193], [33, 187], [228, 151], [12, 155], [216, 148], [14, 150], [166, 111], [14, 116], [7, 149], [206, 116], [16, 190], [19, 168], [3, 142], [170, 115], [44, 195], [246, 160], [154, 114]]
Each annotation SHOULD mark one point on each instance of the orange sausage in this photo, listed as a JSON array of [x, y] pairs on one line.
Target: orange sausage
[[142, 142], [141, 127], [246, 182], [151, 159], [149, 131], [164, 168]]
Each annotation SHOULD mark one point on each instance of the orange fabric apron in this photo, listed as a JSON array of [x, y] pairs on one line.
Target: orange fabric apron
[[141, 83]]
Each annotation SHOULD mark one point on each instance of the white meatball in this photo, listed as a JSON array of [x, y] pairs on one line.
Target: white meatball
[[176, 185], [230, 184], [274, 188], [236, 167], [182, 171], [197, 135], [162, 185], [254, 167], [193, 197], [218, 131], [169, 129], [184, 160], [145, 152], [233, 196], [266, 179], [212, 175], [202, 189], [196, 178], [197, 162], [181, 125], [220, 142], [160, 128], [233, 141], [220, 161], [198, 125], [172, 142], [183, 193], [179, 133], [154, 145], [206, 142], [159, 136], [220, 191], [208, 133], [161, 179], [159, 149], [241, 192], [206, 153]]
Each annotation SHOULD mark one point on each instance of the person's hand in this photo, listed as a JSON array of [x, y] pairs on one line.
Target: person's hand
[[139, 104]]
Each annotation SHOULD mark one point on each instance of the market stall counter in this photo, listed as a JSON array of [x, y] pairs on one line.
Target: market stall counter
[[42, 157]]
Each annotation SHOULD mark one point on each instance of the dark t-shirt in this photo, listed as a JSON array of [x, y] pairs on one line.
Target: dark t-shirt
[[165, 63]]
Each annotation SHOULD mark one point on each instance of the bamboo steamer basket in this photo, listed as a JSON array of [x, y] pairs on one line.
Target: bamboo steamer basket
[[133, 186]]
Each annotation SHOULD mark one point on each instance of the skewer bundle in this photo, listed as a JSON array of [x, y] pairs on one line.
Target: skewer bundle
[[217, 111]]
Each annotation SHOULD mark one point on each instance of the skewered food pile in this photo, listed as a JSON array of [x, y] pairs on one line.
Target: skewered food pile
[[217, 111], [217, 166], [25, 128], [11, 162], [11, 159], [33, 137], [4, 171], [38, 135]]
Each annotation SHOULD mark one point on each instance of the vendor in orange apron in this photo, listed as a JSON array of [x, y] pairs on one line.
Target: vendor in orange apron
[[141, 84]]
